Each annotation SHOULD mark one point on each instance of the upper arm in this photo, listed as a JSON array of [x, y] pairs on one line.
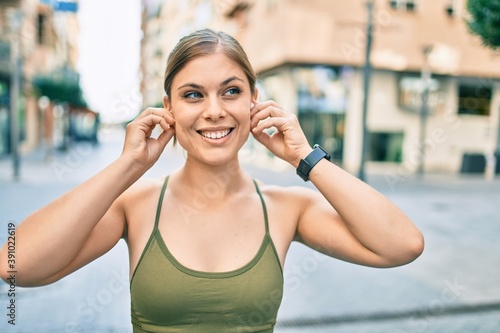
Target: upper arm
[[323, 229], [108, 231]]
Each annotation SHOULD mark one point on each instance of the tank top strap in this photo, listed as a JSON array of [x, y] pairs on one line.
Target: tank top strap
[[160, 202], [263, 206]]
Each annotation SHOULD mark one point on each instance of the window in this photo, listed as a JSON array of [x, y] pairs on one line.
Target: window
[[321, 89], [386, 146], [42, 29], [408, 5], [474, 99], [410, 88], [453, 7], [322, 100], [325, 129]]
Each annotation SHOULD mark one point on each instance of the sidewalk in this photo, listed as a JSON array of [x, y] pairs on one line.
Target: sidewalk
[[453, 287], [81, 161]]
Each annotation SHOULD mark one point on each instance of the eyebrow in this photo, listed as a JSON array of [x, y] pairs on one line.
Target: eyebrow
[[197, 86]]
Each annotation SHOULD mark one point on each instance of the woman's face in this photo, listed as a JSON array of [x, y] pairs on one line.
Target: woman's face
[[210, 99]]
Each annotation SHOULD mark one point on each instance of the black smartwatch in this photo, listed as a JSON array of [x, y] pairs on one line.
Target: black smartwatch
[[306, 164]]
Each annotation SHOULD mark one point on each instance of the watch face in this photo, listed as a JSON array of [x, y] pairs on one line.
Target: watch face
[[303, 170], [305, 165]]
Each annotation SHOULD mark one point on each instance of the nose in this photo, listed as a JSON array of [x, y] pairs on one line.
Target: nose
[[214, 109]]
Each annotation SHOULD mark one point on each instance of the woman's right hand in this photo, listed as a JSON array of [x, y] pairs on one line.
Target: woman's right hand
[[89, 220], [140, 147]]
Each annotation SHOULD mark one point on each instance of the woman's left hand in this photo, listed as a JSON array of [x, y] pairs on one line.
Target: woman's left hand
[[288, 142]]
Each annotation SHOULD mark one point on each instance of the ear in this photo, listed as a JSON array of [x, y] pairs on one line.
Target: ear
[[255, 96], [168, 107], [166, 103]]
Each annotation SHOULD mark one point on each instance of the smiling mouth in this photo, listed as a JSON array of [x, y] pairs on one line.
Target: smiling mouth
[[216, 134]]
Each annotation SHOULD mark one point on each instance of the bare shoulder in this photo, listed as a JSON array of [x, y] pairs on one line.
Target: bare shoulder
[[288, 195], [141, 189], [138, 204], [286, 206], [140, 198], [287, 203]]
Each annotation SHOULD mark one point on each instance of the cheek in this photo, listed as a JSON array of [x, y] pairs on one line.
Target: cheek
[[182, 125], [242, 111], [182, 128], [183, 117], [183, 138]]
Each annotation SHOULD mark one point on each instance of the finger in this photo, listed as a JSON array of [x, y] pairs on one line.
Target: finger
[[165, 126], [277, 122], [161, 112], [151, 111], [262, 137], [152, 120], [164, 119], [165, 137], [169, 118], [148, 124], [258, 116], [269, 112], [261, 106]]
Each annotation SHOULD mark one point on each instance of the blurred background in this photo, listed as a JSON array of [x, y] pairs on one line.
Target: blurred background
[[405, 94], [407, 86]]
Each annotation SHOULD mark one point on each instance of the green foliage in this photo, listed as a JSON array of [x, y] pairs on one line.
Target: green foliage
[[484, 21], [61, 86]]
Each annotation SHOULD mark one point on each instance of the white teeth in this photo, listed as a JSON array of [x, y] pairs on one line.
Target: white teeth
[[216, 135]]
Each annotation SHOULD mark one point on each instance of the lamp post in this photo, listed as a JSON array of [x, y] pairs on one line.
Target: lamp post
[[366, 88], [424, 110], [15, 21]]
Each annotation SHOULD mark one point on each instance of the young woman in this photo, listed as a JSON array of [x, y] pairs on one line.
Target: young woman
[[207, 244]]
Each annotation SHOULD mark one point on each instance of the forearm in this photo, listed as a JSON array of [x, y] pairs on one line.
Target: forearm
[[376, 223], [50, 238]]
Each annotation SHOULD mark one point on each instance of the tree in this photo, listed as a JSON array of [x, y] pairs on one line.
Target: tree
[[484, 21]]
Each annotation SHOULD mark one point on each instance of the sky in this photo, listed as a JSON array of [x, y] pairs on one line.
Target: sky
[[109, 55]]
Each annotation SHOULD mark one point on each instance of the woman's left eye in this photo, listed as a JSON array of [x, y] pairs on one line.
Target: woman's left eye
[[232, 92], [192, 95]]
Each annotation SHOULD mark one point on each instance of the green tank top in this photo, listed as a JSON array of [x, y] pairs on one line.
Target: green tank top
[[169, 297]]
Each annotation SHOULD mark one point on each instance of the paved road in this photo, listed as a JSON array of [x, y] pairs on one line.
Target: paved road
[[453, 287]]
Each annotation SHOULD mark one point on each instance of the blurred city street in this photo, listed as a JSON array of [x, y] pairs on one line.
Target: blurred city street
[[453, 287]]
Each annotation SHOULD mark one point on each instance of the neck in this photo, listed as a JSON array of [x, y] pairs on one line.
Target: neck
[[214, 182]]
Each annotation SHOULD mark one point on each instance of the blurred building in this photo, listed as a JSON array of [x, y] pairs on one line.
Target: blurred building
[[310, 58], [45, 33]]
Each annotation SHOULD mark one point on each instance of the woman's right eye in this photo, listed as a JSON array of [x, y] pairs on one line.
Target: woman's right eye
[[192, 95]]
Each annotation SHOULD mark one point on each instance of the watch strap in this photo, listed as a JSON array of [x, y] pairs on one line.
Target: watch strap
[[305, 165]]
